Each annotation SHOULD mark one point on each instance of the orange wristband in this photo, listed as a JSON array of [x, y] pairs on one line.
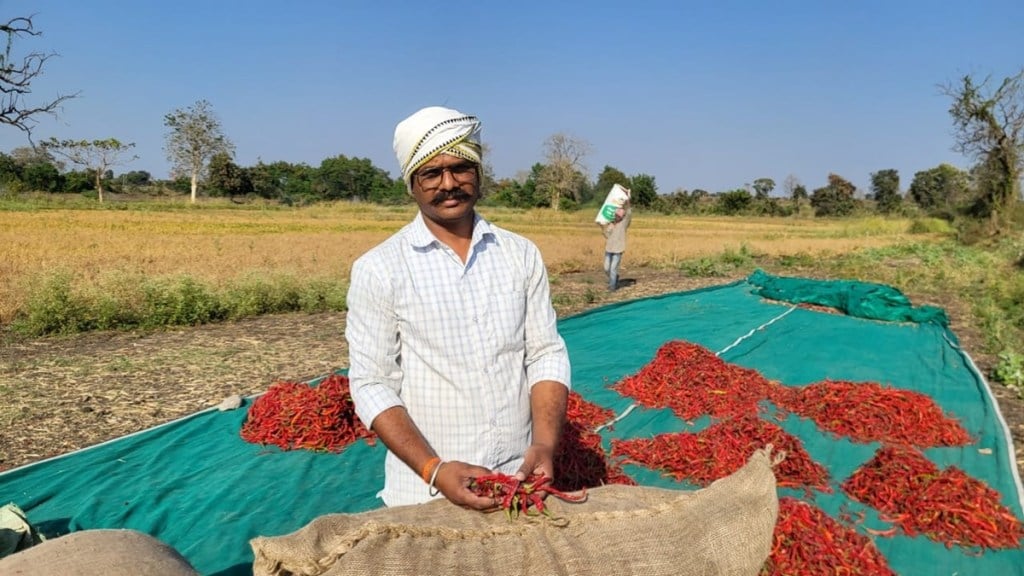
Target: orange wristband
[[429, 467]]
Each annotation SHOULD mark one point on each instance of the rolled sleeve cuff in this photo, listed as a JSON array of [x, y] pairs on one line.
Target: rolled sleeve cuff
[[556, 369], [371, 400]]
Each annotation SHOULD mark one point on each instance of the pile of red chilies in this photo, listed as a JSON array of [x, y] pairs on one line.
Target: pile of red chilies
[[808, 541], [517, 497], [722, 449], [580, 460], [947, 506], [693, 382], [869, 412], [295, 415]]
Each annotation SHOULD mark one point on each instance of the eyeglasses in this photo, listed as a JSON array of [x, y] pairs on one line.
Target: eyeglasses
[[430, 178]]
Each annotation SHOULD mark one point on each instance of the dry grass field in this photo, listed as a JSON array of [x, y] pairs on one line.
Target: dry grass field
[[219, 244]]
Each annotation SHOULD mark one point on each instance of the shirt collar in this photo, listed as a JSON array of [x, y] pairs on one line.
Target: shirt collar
[[421, 236]]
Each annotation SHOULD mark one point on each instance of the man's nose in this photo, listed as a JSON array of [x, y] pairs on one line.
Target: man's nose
[[448, 180]]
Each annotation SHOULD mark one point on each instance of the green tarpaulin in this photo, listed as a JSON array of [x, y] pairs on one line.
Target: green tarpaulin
[[197, 486]]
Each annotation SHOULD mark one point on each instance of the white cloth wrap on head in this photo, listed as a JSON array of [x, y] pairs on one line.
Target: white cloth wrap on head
[[435, 130]]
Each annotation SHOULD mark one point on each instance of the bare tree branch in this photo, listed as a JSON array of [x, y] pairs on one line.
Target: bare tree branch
[[16, 77], [563, 175]]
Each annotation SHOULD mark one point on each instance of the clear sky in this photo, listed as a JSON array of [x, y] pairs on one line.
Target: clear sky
[[702, 94]]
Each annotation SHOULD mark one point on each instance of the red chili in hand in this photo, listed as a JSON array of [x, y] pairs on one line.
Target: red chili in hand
[[520, 497]]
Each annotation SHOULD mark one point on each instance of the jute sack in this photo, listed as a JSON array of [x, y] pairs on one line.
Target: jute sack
[[723, 529], [98, 553]]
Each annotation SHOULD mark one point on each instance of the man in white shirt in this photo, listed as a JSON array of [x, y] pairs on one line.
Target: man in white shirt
[[455, 357]]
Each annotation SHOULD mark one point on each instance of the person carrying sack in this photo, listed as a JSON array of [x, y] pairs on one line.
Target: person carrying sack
[[615, 242]]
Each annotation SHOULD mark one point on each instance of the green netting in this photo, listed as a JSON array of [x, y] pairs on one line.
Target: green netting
[[197, 486], [860, 299]]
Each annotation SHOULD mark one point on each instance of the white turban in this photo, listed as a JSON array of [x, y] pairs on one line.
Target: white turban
[[435, 130]]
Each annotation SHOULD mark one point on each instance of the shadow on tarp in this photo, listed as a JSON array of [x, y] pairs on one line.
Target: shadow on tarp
[[197, 486], [236, 570]]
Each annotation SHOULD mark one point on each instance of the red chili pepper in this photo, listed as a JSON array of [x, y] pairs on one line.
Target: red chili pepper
[[869, 412], [947, 506], [722, 449], [295, 415], [808, 541], [693, 382]]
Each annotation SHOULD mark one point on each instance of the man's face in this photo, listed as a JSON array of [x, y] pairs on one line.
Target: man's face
[[446, 188]]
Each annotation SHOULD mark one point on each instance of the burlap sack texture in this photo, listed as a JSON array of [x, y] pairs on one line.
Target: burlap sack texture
[[724, 529], [98, 553]]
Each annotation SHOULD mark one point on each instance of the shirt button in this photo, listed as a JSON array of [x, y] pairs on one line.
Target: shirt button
[[494, 423]]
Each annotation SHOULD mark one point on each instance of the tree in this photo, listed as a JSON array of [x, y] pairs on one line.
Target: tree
[[42, 177], [733, 202], [10, 170], [488, 183], [943, 187], [885, 185], [227, 177], [195, 136], [835, 199], [563, 174], [799, 193], [97, 156], [281, 180], [521, 191], [343, 178], [137, 177], [763, 187], [643, 190], [16, 77], [27, 155], [609, 177], [789, 185], [990, 129], [34, 168]]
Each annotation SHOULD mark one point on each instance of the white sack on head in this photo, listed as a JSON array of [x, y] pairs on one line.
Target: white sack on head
[[432, 131]]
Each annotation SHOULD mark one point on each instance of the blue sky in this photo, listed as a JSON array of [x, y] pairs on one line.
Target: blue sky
[[700, 94]]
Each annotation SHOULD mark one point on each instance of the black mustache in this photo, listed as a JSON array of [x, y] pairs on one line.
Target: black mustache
[[447, 195]]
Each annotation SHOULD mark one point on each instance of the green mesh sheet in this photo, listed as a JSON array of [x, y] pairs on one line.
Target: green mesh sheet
[[197, 486]]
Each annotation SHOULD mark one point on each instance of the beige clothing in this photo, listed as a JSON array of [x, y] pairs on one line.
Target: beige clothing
[[615, 234]]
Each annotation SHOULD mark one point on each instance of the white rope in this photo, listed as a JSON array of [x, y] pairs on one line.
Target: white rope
[[617, 418], [752, 332], [1007, 436]]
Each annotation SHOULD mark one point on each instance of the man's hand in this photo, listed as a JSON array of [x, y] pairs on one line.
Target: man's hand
[[539, 459], [453, 479]]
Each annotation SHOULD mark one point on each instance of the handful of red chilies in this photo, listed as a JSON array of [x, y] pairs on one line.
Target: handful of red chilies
[[521, 496]]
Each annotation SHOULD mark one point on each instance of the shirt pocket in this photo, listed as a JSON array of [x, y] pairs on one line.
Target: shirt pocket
[[506, 319]]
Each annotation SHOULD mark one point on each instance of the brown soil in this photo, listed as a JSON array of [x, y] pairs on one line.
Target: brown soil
[[63, 394]]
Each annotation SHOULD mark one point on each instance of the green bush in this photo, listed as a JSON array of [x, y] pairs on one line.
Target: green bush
[[53, 308], [180, 301], [930, 226], [702, 268], [800, 259], [320, 295], [123, 300], [255, 295], [1010, 370]]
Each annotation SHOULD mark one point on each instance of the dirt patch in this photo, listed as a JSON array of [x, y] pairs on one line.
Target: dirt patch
[[64, 394]]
